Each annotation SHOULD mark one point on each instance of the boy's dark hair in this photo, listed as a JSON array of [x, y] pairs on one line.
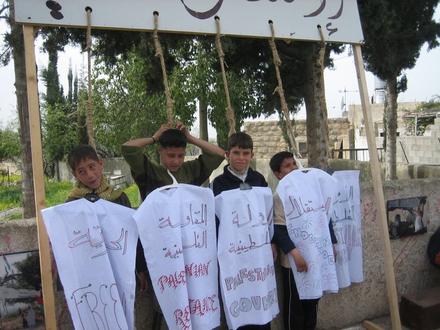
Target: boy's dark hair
[[173, 137], [241, 140], [277, 159], [79, 153]]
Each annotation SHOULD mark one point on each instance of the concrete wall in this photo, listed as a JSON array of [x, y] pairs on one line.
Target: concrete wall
[[360, 301], [111, 166], [412, 149]]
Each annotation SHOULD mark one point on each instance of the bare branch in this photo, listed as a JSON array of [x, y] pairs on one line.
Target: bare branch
[[2, 10]]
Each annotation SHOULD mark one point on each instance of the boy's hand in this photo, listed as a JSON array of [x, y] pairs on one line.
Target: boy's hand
[[300, 263], [161, 129], [183, 129]]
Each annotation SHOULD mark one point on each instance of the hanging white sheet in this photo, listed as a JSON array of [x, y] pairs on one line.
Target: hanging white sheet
[[177, 229], [94, 245], [346, 219], [307, 196], [247, 274]]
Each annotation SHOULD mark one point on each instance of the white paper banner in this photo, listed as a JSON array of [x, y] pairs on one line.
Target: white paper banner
[[346, 218], [94, 245], [296, 19], [247, 274], [307, 196], [177, 230]]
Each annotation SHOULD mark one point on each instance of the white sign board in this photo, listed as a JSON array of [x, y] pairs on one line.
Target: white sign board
[[94, 245], [346, 219], [292, 19], [247, 274], [307, 196], [177, 230]]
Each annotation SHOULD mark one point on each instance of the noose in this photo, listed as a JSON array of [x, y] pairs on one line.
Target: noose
[[89, 115], [159, 53], [230, 115], [280, 90]]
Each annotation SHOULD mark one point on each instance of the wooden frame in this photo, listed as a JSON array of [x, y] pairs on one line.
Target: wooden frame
[[37, 167]]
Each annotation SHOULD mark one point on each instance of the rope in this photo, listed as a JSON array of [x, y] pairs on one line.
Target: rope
[[280, 90], [89, 116], [322, 49], [230, 115], [159, 53]]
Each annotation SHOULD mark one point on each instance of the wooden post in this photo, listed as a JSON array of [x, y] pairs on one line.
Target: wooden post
[[378, 189], [37, 168]]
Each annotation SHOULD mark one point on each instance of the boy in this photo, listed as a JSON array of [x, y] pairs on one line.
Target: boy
[[87, 169], [298, 314], [172, 143], [238, 174], [149, 175]]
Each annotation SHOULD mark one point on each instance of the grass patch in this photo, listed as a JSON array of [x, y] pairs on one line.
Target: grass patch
[[56, 193], [10, 197], [13, 216]]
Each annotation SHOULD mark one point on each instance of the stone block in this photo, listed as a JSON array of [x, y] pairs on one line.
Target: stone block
[[421, 311]]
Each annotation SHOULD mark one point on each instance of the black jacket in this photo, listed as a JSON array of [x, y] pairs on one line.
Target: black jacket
[[228, 181]]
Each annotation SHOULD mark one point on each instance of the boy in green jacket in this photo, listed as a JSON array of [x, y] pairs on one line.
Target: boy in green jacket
[[149, 175]]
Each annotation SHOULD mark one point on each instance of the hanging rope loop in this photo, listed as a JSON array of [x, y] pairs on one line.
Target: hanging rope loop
[[159, 53], [280, 90], [89, 116], [322, 49], [230, 114]]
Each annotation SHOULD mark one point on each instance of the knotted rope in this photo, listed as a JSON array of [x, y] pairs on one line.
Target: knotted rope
[[230, 115], [89, 116], [280, 90], [159, 53]]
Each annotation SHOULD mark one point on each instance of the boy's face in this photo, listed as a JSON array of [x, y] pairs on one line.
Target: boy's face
[[89, 172], [287, 166], [172, 157], [239, 159]]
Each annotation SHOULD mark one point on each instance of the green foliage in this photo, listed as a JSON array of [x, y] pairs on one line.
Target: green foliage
[[9, 144], [59, 134], [10, 197], [123, 107], [56, 193], [133, 195]]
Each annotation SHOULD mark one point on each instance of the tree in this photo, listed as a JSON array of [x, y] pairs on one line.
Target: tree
[[9, 144], [394, 33], [57, 128], [123, 86], [14, 48]]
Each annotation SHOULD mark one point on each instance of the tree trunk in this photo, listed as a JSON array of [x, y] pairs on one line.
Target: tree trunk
[[316, 108], [391, 130], [28, 198], [203, 119]]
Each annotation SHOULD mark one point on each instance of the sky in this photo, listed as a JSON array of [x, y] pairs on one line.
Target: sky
[[423, 80]]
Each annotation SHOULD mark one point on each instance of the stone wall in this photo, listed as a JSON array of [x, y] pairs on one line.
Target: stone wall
[[268, 138], [366, 300]]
